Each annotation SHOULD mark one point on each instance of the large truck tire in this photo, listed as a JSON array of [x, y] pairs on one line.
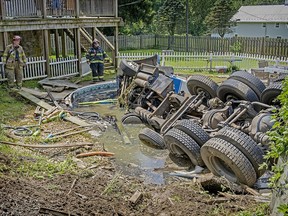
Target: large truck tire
[[270, 94], [250, 80], [131, 118], [180, 143], [245, 144], [224, 159], [194, 130], [200, 83], [151, 138], [234, 89]]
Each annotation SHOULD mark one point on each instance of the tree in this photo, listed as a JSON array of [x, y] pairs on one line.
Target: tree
[[137, 15], [219, 17], [170, 14], [199, 9]]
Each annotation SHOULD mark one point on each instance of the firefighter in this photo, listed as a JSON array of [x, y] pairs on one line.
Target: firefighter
[[14, 60], [95, 58]]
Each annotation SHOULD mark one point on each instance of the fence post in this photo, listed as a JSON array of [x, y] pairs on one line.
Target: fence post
[[210, 60], [163, 58], [46, 52], [277, 61], [141, 42], [155, 40], [232, 59]]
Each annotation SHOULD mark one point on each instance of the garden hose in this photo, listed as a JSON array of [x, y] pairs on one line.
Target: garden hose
[[22, 131]]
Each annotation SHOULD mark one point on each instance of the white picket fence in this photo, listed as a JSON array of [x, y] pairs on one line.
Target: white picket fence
[[60, 68], [63, 67], [206, 61], [35, 68]]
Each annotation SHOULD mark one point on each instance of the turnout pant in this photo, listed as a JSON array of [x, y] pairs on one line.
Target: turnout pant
[[14, 73], [97, 70]]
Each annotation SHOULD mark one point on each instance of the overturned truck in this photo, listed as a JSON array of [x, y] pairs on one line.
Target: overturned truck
[[222, 127]]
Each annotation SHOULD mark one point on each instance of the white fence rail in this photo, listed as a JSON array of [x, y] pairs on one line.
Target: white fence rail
[[62, 67], [207, 61], [35, 68]]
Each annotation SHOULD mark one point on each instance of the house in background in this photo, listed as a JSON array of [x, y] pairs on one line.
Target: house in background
[[269, 21]]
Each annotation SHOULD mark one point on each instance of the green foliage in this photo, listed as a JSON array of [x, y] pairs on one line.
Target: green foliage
[[31, 84], [144, 16], [279, 144], [198, 10], [232, 68], [42, 168], [260, 210], [137, 17], [170, 14], [27, 164], [236, 47], [219, 17], [283, 209]]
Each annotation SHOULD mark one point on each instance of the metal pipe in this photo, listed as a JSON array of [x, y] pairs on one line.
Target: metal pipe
[[141, 83]]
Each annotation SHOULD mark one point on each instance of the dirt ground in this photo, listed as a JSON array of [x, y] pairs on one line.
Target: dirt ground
[[99, 189]]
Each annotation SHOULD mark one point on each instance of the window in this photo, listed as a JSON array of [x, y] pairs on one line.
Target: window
[[278, 37], [277, 25], [264, 25], [267, 36]]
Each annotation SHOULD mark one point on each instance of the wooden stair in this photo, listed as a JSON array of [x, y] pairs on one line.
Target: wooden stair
[[86, 41]]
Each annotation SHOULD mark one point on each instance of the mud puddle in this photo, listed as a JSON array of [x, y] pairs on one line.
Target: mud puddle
[[133, 159]]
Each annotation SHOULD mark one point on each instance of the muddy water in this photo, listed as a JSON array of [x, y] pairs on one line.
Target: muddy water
[[133, 159]]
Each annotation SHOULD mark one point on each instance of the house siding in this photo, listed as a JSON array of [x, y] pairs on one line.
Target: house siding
[[257, 30]]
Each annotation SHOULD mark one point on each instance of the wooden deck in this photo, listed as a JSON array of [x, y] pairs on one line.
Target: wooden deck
[[61, 18], [59, 23]]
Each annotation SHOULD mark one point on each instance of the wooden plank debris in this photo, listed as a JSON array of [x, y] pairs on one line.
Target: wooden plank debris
[[97, 153], [37, 93], [136, 197], [47, 106], [58, 83], [35, 100], [47, 146]]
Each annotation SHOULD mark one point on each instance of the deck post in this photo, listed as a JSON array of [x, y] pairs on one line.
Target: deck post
[[115, 54], [57, 48], [44, 11], [94, 33], [46, 51], [2, 10], [63, 41], [78, 50], [5, 39], [116, 33], [77, 3]]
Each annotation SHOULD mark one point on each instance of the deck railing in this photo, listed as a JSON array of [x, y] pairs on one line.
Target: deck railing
[[11, 9]]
